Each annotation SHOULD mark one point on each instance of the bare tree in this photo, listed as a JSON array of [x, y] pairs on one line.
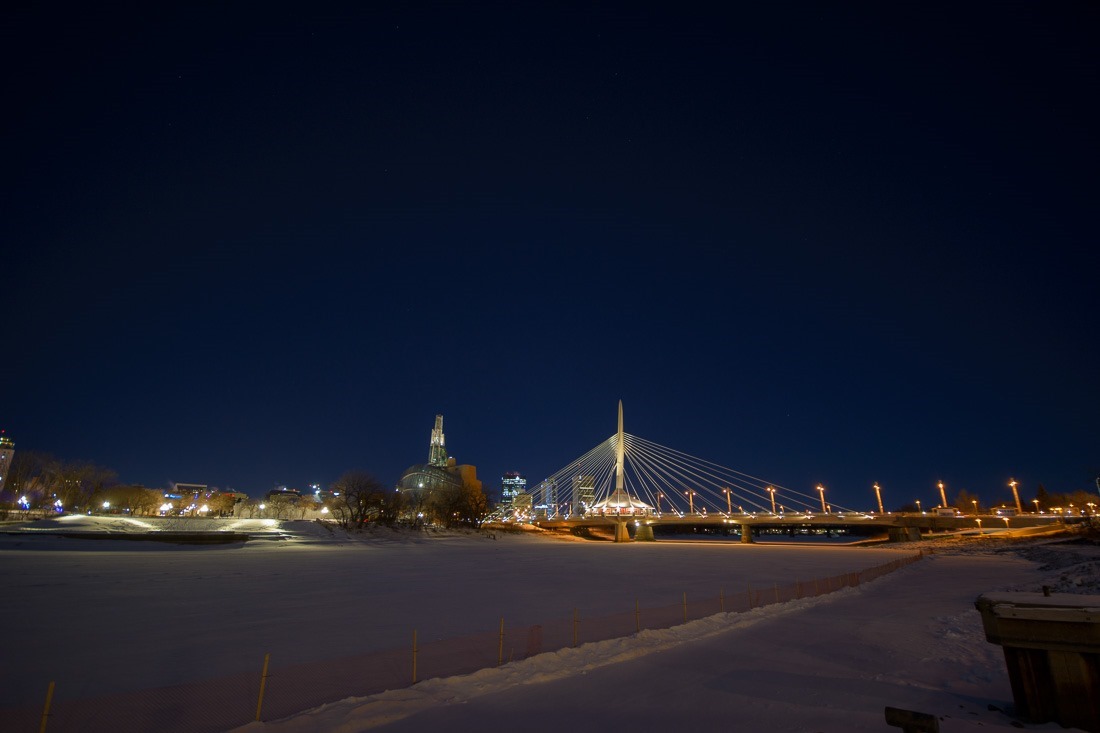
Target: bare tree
[[967, 502], [221, 504], [359, 498], [464, 506], [280, 507]]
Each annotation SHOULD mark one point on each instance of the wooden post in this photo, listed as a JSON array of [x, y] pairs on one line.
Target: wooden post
[[46, 709], [911, 721], [500, 647], [414, 656], [263, 685]]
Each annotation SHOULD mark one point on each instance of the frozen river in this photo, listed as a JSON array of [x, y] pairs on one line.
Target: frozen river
[[110, 616]]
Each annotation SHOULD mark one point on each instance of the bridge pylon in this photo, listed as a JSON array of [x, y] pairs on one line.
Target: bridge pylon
[[621, 532]]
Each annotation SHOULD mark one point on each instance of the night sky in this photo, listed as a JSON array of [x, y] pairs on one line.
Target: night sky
[[261, 246]]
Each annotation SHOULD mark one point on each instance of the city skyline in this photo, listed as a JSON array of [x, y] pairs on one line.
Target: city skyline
[[823, 246]]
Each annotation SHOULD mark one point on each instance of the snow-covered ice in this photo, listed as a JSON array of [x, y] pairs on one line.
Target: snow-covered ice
[[109, 616]]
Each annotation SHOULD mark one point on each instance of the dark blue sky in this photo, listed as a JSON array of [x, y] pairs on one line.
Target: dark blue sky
[[262, 247]]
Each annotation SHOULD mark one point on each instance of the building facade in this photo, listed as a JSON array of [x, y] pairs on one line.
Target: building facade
[[440, 473], [584, 493], [7, 452], [511, 484]]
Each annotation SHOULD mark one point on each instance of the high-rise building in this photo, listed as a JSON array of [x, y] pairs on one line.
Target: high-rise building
[[437, 453], [7, 450], [548, 495], [512, 483], [584, 493]]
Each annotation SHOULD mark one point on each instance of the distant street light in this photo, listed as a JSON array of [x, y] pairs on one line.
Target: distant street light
[[878, 496], [975, 503], [918, 507], [772, 492], [943, 495], [729, 506], [1036, 503], [821, 490], [1016, 494], [659, 497], [691, 501], [979, 525]]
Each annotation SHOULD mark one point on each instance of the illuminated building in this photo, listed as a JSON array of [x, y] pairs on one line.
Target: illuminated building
[[187, 493], [512, 483], [7, 450], [440, 473], [548, 493], [437, 451], [584, 493], [523, 504]]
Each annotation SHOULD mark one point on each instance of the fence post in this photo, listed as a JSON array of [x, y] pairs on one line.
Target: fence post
[[500, 647], [637, 617], [46, 709], [574, 628], [263, 685], [414, 656]]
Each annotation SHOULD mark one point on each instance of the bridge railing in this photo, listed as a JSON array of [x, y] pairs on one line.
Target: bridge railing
[[229, 701]]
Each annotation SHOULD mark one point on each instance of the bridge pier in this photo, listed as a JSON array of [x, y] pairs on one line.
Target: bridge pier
[[621, 533], [746, 534], [644, 533]]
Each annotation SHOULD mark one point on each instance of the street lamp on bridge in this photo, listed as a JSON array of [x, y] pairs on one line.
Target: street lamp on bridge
[[1016, 495], [918, 507], [772, 492], [691, 501], [659, 497], [729, 506], [943, 495], [821, 490], [878, 495], [975, 503]]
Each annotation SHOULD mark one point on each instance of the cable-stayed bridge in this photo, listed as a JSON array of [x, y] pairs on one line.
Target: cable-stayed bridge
[[627, 480]]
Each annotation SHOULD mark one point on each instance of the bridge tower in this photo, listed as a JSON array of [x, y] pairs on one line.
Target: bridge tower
[[621, 534], [620, 504]]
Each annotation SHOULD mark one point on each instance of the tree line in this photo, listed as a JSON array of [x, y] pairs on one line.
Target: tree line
[[40, 482], [359, 498]]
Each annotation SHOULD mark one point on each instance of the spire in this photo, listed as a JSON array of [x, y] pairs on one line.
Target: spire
[[437, 453]]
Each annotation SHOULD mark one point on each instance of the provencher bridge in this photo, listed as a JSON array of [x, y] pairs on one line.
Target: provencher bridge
[[633, 485]]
